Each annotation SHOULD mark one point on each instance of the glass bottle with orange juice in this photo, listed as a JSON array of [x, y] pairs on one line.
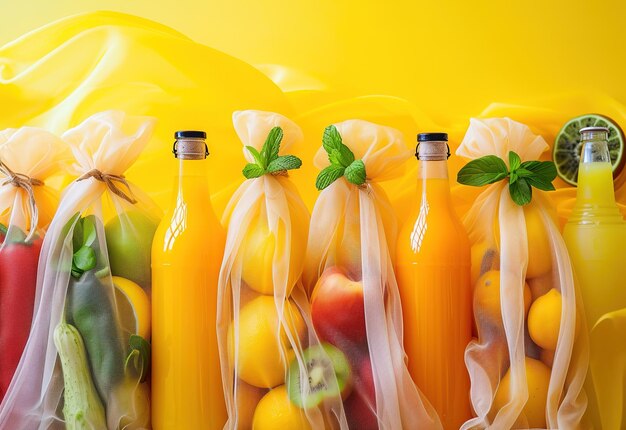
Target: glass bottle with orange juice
[[186, 255], [433, 270], [595, 235]]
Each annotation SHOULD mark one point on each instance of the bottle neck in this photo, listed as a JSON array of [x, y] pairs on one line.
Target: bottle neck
[[595, 196], [432, 182], [191, 185]]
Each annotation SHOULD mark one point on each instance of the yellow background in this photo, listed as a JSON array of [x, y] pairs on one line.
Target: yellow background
[[414, 65], [451, 58], [440, 63]]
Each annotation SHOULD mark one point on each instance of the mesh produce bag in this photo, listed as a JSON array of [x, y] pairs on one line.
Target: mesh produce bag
[[28, 157], [355, 302], [267, 346], [87, 358], [528, 363]]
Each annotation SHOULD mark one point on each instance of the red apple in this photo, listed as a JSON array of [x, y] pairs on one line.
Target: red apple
[[338, 310], [360, 407]]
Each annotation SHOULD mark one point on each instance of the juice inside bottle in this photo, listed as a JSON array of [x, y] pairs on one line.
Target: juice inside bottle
[[433, 272], [186, 256], [595, 236]]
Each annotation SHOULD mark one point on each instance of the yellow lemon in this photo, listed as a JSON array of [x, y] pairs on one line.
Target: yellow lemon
[[544, 320], [133, 307], [260, 246], [275, 411], [259, 360], [538, 380], [487, 297]]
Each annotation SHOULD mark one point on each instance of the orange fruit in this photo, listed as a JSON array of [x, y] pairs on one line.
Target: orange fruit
[[544, 320], [260, 361], [487, 297], [276, 412], [538, 380]]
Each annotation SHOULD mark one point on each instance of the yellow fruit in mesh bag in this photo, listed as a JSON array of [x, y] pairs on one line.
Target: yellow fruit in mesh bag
[[538, 380], [544, 320], [487, 304], [260, 246], [276, 412], [259, 361], [539, 248]]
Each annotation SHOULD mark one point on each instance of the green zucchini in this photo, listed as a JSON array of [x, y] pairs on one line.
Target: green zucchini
[[83, 408]]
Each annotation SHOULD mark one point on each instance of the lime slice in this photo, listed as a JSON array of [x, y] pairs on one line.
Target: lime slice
[[566, 151]]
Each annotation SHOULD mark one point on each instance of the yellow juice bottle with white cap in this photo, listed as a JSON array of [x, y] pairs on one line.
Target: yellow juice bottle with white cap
[[187, 253], [595, 235]]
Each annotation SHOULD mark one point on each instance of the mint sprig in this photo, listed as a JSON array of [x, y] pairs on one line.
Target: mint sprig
[[268, 161], [342, 162], [522, 177]]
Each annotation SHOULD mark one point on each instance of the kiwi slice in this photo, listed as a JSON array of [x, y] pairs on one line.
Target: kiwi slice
[[328, 375], [566, 151]]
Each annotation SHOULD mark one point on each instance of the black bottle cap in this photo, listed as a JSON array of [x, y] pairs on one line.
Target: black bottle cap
[[432, 137], [181, 134]]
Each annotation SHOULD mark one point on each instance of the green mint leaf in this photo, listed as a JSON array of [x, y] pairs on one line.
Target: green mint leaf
[[257, 157], [540, 174], [253, 171], [329, 175], [512, 177], [524, 173], [284, 162], [514, 161], [139, 356], [541, 183], [84, 259], [482, 171], [521, 192], [545, 169], [342, 156], [355, 172], [331, 139], [270, 149]]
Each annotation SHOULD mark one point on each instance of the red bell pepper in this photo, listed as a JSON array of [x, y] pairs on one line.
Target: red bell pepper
[[18, 282]]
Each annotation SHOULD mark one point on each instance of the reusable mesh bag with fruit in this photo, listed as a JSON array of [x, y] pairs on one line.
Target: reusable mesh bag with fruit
[[355, 302], [528, 363], [28, 158], [87, 359], [263, 316]]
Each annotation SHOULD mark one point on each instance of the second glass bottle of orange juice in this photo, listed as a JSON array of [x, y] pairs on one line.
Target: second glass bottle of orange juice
[[187, 253], [433, 272]]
